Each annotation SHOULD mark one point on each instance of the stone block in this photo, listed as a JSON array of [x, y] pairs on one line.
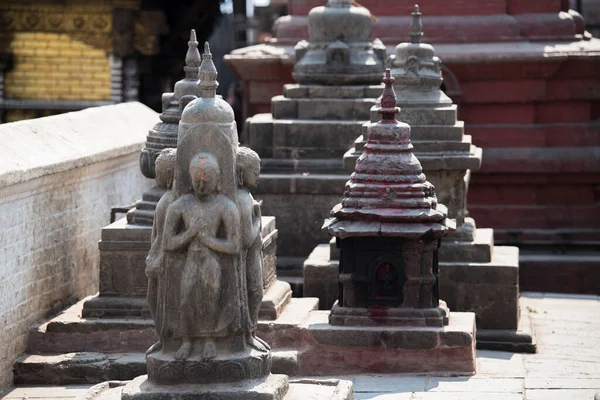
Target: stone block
[[283, 108], [490, 290], [444, 146], [326, 109], [479, 250], [313, 139], [64, 369], [276, 298], [446, 116], [349, 350], [258, 134], [336, 92], [295, 91], [321, 276], [273, 387], [334, 251]]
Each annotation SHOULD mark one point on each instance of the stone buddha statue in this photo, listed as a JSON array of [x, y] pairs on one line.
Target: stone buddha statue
[[206, 251]]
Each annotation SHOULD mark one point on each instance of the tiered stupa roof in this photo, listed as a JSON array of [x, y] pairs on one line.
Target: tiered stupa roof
[[388, 194]]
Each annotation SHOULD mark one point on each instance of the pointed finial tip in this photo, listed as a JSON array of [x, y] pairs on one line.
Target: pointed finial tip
[[416, 9], [193, 35], [206, 48]]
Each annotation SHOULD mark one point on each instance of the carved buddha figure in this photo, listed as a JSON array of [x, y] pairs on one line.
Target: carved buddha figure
[[210, 224]]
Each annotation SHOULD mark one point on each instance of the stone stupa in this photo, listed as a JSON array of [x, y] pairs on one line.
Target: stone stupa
[[388, 317], [475, 275], [314, 122]]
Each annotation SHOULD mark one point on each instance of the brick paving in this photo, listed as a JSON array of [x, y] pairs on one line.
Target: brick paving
[[566, 367]]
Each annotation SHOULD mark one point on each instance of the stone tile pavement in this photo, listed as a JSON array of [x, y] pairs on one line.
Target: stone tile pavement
[[566, 367]]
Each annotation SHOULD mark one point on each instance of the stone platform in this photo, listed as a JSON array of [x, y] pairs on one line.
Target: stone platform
[[389, 349], [305, 389], [70, 349], [565, 366]]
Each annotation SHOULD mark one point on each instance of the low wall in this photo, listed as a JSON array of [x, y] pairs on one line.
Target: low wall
[[59, 177]]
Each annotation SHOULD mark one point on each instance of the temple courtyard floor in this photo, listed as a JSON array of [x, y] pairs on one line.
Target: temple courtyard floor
[[567, 365]]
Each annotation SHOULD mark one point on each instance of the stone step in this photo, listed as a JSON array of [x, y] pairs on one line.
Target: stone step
[[145, 205], [357, 109], [428, 146], [93, 367], [479, 250], [312, 139], [491, 290], [445, 115], [425, 133], [68, 332], [78, 368], [258, 134], [298, 91], [432, 161], [572, 272], [521, 340]]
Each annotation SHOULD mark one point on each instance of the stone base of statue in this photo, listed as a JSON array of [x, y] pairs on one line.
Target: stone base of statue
[[259, 389], [271, 387], [123, 283], [235, 361], [375, 348]]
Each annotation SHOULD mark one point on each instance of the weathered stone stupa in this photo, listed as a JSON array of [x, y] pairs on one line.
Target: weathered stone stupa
[[126, 242], [388, 226], [315, 121], [475, 275], [205, 259]]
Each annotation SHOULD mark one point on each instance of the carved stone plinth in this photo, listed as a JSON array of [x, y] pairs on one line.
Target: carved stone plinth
[[389, 349], [271, 387], [237, 364]]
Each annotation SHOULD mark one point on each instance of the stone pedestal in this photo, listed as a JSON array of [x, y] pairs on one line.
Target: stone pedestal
[[267, 388], [123, 283], [390, 349]]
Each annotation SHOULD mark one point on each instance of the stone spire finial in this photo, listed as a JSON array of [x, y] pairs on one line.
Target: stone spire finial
[[192, 58], [388, 108], [208, 74], [416, 27]]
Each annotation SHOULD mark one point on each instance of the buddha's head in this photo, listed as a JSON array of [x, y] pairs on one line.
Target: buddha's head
[[165, 168], [205, 174], [248, 167]]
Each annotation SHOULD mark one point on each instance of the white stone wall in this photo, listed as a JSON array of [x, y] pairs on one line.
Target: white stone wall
[[59, 177]]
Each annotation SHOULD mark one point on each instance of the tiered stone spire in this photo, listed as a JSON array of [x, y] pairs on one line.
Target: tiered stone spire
[[416, 27], [339, 50], [388, 194], [417, 70], [164, 133], [208, 75]]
